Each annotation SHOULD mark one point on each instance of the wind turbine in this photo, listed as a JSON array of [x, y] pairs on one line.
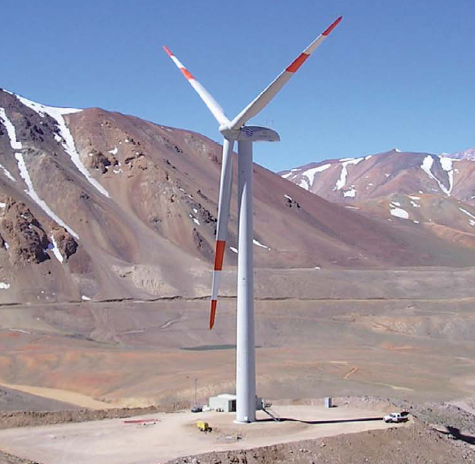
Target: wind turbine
[[232, 131]]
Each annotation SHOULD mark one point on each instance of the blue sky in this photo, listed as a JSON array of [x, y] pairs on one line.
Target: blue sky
[[393, 74]]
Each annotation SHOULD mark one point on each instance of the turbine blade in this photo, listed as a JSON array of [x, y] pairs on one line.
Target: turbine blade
[[261, 101], [222, 224], [209, 101]]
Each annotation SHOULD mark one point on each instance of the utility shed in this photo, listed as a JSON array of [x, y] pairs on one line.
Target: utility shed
[[224, 402]]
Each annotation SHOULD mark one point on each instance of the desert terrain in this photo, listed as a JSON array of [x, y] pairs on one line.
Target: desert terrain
[[107, 229], [402, 334]]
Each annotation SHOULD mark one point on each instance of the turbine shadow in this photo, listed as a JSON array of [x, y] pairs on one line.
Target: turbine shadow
[[320, 422], [461, 436]]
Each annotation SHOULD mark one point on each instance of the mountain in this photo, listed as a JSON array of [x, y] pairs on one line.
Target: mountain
[[436, 192], [100, 205], [468, 154], [355, 180]]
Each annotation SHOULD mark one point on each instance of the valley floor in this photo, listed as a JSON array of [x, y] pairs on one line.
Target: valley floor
[[407, 337]]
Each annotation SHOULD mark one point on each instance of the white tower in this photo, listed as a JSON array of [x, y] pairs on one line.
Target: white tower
[[232, 131]]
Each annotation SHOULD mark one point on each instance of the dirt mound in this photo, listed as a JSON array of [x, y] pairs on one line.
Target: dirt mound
[[415, 445], [14, 400], [6, 458], [70, 413]]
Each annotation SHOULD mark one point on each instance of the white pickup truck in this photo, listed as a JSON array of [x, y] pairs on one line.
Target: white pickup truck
[[395, 417]]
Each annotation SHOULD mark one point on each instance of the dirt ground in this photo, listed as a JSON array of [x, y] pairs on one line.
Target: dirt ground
[[449, 439], [402, 445], [440, 433], [169, 436]]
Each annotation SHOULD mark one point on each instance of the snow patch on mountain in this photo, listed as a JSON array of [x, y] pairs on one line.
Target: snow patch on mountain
[[426, 166], [259, 244], [194, 219], [467, 213], [35, 197], [399, 212], [351, 193], [447, 166], [472, 220], [395, 210], [307, 177], [7, 173], [68, 142], [16, 145], [55, 250], [340, 183], [447, 163], [310, 173]]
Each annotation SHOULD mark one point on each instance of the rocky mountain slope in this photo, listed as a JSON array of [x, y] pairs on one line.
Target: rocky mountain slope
[[355, 180], [100, 205], [435, 192]]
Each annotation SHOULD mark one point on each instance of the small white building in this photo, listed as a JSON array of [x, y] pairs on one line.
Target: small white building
[[224, 402], [227, 403]]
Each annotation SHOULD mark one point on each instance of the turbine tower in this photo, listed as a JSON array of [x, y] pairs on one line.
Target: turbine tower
[[236, 131]]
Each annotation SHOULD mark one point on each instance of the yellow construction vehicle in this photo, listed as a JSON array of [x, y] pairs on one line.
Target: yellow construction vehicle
[[203, 426]]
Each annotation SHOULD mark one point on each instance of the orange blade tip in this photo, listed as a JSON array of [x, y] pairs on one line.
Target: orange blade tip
[[167, 50], [212, 315], [332, 26]]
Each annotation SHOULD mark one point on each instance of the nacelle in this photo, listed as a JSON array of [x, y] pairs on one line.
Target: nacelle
[[258, 134]]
